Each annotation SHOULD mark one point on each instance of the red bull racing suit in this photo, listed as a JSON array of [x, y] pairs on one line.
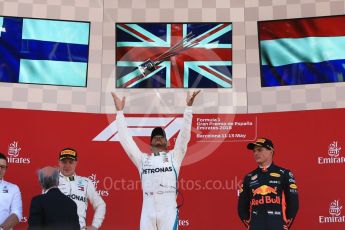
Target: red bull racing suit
[[159, 174], [268, 199]]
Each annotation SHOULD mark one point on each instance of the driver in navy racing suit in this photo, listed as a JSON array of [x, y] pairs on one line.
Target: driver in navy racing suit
[[268, 197]]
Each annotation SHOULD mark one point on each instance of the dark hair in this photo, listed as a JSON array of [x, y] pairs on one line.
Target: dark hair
[[2, 156], [158, 131]]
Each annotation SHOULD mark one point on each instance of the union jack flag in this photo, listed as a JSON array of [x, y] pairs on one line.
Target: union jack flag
[[208, 64]]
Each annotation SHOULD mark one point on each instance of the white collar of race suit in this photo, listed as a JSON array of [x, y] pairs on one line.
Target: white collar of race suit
[[69, 178], [159, 153], [265, 167]]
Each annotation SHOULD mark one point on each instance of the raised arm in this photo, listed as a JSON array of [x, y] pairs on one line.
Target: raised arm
[[125, 137], [183, 137], [190, 98]]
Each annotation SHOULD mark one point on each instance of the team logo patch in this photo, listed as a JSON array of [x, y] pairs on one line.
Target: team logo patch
[[165, 158], [293, 186], [81, 186], [5, 190], [274, 182], [292, 180], [254, 177], [263, 190], [275, 174], [147, 162]]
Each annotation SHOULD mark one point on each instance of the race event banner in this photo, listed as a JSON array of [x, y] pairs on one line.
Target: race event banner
[[309, 143]]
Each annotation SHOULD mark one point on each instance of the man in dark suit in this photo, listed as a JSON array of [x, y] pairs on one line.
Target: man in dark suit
[[52, 210]]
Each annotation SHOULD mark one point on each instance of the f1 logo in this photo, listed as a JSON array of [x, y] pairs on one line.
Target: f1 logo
[[142, 127]]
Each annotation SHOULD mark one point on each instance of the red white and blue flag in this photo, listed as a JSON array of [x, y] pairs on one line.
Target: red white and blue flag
[[206, 65], [81, 188], [302, 51]]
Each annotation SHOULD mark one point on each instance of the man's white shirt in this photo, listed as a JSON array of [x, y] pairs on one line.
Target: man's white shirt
[[10, 201]]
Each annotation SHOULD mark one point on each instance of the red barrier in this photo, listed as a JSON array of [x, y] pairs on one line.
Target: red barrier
[[307, 142]]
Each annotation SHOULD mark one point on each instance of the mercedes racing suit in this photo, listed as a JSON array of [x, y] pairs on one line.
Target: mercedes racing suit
[[159, 175], [80, 190], [268, 199]]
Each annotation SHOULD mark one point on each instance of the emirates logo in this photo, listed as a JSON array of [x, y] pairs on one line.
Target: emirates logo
[[94, 180], [13, 149], [335, 208], [333, 149]]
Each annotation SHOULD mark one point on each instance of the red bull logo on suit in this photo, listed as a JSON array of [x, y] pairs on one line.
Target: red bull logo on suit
[[264, 190]]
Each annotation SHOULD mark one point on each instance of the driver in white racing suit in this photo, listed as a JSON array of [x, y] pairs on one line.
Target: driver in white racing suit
[[80, 190], [158, 170]]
